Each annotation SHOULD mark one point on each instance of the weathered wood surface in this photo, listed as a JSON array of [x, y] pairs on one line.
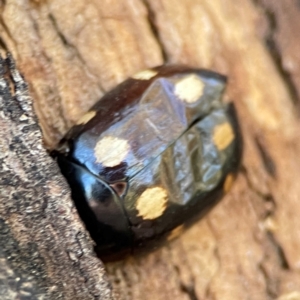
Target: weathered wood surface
[[71, 52], [44, 250]]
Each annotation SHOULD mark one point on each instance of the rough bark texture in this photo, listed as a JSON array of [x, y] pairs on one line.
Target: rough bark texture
[[44, 250], [70, 53]]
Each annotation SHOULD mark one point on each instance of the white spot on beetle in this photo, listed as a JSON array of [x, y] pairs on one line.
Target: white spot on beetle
[[223, 135], [189, 89], [86, 117], [111, 151], [145, 75], [152, 203]]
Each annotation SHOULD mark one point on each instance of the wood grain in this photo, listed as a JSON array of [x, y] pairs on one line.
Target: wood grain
[[71, 52]]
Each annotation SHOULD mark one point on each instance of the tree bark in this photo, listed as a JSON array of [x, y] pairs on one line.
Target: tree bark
[[44, 250], [70, 53]]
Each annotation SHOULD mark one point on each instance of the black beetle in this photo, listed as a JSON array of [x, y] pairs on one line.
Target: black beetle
[[155, 152]]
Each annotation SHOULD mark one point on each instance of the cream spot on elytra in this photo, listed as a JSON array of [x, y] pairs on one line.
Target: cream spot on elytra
[[228, 182], [223, 135], [145, 75], [152, 203], [86, 117], [189, 89], [111, 151], [175, 233]]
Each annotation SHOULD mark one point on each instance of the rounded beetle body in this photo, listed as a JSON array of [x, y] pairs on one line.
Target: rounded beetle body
[[155, 152]]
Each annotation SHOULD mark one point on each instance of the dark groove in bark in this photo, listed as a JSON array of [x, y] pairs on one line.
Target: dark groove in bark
[[188, 289], [270, 238], [275, 53], [266, 158], [72, 47], [154, 29], [269, 213]]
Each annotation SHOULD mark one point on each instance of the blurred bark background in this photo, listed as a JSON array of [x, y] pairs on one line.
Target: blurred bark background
[[72, 52]]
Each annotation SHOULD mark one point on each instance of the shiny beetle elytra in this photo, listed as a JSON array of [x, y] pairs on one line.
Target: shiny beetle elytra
[[155, 152]]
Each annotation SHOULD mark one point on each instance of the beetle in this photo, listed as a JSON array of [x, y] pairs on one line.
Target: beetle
[[153, 154]]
